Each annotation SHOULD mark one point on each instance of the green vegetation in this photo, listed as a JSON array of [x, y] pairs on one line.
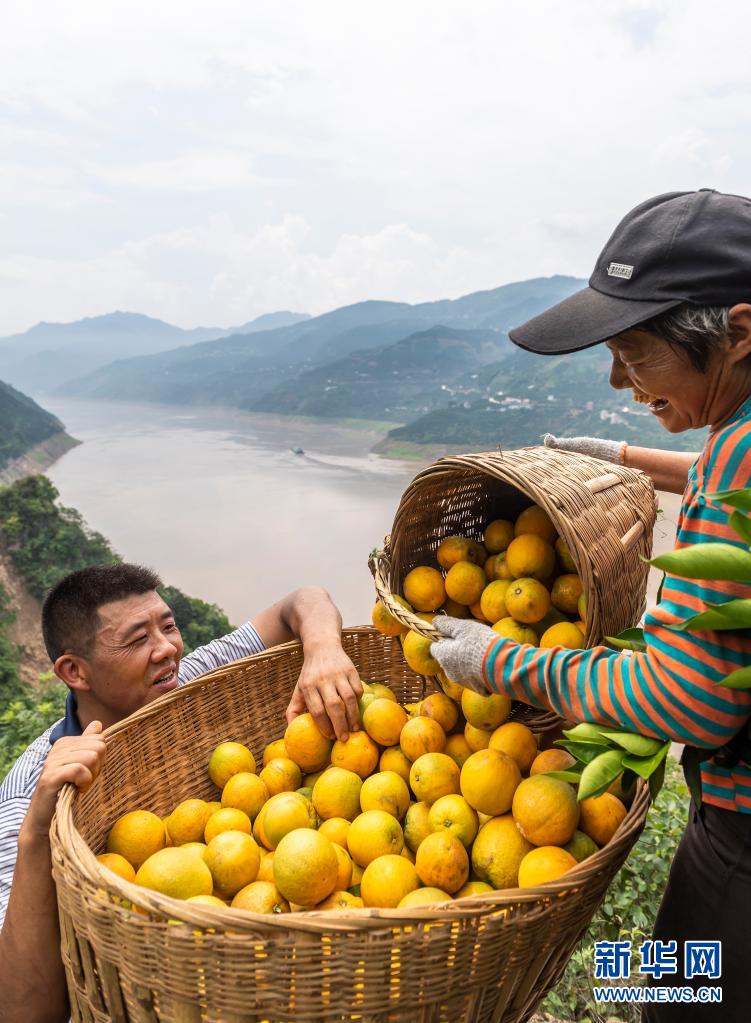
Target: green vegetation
[[22, 424], [629, 910], [45, 542]]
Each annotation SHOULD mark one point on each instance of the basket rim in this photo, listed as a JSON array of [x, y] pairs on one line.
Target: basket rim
[[68, 843]]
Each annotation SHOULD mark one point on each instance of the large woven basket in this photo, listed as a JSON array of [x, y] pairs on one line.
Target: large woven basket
[[604, 512], [490, 957]]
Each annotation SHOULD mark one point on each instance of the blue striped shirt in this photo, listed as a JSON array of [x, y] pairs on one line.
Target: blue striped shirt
[[19, 783]]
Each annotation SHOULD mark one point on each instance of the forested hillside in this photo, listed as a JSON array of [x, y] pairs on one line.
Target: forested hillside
[[23, 424]]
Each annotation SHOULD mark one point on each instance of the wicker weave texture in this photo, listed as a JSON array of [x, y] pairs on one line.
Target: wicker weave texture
[[489, 958]]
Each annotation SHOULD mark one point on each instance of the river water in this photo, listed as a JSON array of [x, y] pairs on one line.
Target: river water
[[217, 502]]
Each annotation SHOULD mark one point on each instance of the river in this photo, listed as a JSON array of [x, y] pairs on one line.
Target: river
[[217, 502]]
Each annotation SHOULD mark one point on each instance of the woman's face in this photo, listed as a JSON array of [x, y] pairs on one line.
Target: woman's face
[[664, 379]]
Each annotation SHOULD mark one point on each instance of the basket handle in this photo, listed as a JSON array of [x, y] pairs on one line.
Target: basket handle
[[631, 535], [379, 564]]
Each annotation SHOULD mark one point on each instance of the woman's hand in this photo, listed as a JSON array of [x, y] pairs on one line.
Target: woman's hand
[[461, 653], [329, 687]]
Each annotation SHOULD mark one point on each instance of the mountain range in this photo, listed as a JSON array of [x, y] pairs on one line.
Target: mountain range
[[23, 424]]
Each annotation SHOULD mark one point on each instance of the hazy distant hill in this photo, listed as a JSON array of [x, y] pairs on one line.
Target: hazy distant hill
[[49, 354], [241, 370], [22, 424]]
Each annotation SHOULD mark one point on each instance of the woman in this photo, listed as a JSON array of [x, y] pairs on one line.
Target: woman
[[671, 298]]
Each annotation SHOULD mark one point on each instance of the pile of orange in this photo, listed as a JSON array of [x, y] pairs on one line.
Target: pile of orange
[[426, 802], [521, 580]]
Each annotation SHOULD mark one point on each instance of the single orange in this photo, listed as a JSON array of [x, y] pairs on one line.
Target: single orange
[[498, 535], [337, 793], [433, 775], [442, 862], [497, 852], [601, 816], [424, 588], [392, 759], [527, 600], [465, 583], [383, 720], [518, 741], [485, 712], [529, 556], [421, 735], [477, 738], [416, 825], [306, 744], [387, 880], [551, 760], [546, 863], [386, 791], [566, 592], [545, 810], [281, 775], [359, 754], [440, 708], [536, 520], [458, 748], [372, 834], [489, 780]]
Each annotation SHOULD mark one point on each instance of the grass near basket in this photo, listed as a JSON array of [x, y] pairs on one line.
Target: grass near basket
[[629, 909]]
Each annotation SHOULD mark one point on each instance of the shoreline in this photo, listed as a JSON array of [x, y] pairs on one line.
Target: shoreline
[[38, 458]]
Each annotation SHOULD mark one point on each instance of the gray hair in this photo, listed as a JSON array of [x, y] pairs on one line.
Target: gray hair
[[696, 330]]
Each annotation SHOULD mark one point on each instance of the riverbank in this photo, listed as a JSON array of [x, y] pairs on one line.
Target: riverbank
[[38, 458]]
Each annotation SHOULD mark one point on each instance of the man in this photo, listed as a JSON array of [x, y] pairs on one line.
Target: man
[[115, 644]]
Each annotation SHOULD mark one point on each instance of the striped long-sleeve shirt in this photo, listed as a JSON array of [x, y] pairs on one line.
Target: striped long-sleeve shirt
[[670, 691], [19, 783]]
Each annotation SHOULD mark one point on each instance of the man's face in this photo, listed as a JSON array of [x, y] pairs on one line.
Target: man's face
[[136, 653]]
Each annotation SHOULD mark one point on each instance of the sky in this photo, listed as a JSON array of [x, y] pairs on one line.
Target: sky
[[206, 163]]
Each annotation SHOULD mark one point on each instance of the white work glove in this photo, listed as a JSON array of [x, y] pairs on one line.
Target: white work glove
[[462, 652], [607, 450]]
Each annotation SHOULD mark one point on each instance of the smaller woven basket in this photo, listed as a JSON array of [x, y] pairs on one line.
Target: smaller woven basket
[[604, 512]]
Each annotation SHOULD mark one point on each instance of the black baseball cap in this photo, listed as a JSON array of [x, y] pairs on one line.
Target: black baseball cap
[[676, 248]]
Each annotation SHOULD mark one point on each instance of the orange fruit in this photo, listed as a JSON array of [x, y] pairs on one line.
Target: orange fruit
[[407, 854], [227, 759], [465, 583], [441, 709], [529, 556], [551, 760], [281, 775], [473, 888], [493, 602], [385, 622], [581, 607], [392, 759], [424, 897], [502, 571], [581, 846], [283, 813], [581, 626], [498, 535], [273, 750], [344, 872], [118, 865], [416, 649], [485, 712], [260, 897], [188, 820], [601, 816], [546, 863], [476, 738], [459, 548], [458, 748], [214, 805], [383, 720], [233, 859], [266, 869], [517, 741], [453, 815], [489, 567], [424, 588], [176, 872], [383, 692], [488, 781], [527, 600], [359, 754], [497, 852], [306, 745], [454, 609], [246, 792], [337, 793], [452, 689], [387, 880], [509, 628], [387, 791], [537, 521], [442, 862], [476, 611], [208, 900], [305, 867], [566, 592], [564, 555], [374, 833], [564, 634], [341, 901], [421, 735], [433, 775], [226, 819], [335, 829], [136, 836], [416, 825], [545, 810]]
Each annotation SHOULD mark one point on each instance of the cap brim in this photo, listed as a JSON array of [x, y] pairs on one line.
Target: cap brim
[[584, 319]]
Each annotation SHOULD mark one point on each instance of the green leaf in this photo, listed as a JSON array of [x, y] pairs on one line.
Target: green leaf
[[740, 499], [732, 615], [585, 752], [691, 760], [656, 780], [738, 679], [629, 639], [638, 745], [707, 561], [586, 731], [742, 526], [601, 772], [645, 766], [571, 775]]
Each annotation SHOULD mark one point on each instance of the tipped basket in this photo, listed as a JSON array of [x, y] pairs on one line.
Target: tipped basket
[[488, 958]]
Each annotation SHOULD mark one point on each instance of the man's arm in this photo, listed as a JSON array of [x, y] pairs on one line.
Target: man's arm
[[668, 469], [329, 685], [32, 979]]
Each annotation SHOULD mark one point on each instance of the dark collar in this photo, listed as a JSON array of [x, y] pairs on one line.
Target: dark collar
[[70, 725]]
